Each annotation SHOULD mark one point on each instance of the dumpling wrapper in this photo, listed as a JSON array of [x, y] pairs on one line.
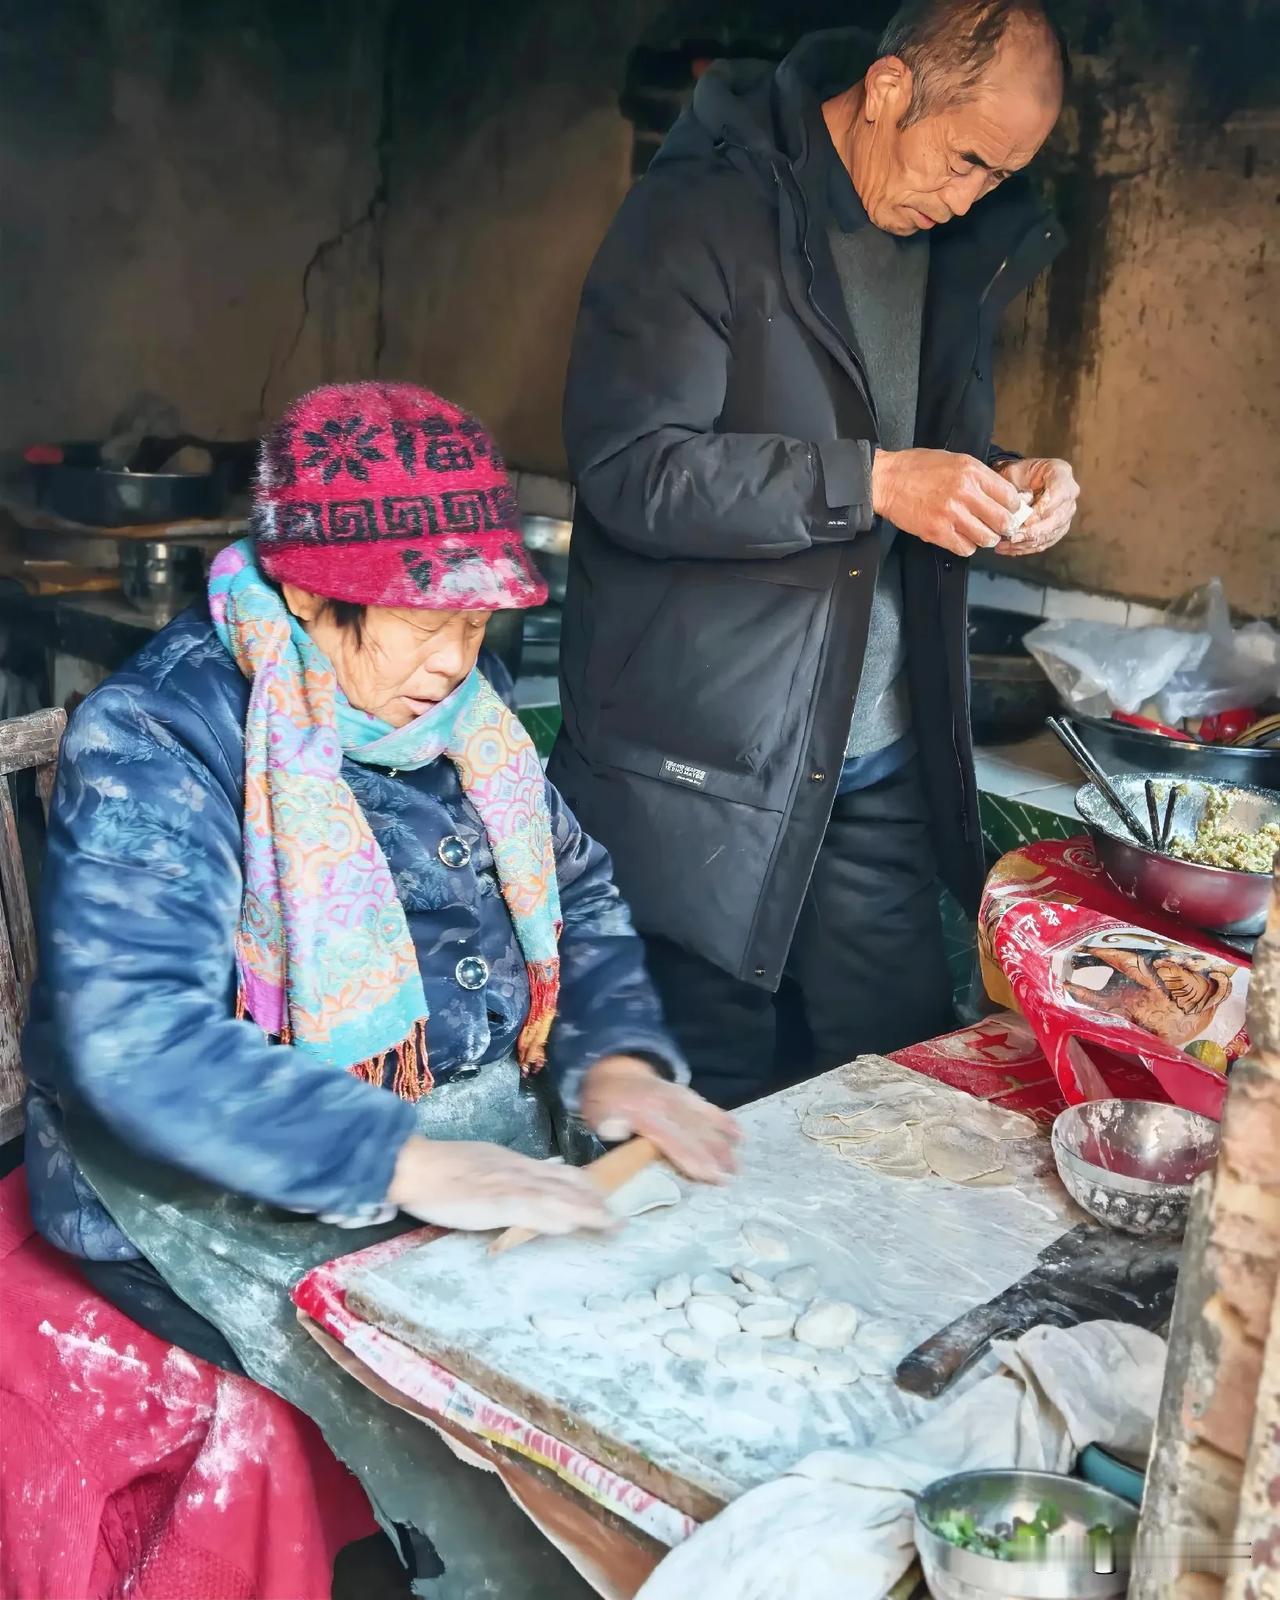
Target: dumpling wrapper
[[650, 1189], [958, 1153]]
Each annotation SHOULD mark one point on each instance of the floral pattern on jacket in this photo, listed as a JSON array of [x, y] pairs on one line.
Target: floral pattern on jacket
[[133, 1010]]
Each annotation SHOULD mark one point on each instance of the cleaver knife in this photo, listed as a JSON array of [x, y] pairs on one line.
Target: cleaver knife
[[1087, 1275]]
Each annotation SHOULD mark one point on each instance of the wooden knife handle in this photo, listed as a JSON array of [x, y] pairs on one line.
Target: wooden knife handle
[[609, 1173]]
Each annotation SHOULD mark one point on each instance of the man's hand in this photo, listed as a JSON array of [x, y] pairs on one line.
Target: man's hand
[[943, 498], [1055, 495], [622, 1097]]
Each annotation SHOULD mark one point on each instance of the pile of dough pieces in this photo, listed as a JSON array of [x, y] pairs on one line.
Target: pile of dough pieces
[[742, 1320], [916, 1127]]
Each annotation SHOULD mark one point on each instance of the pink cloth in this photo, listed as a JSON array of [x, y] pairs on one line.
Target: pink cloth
[[130, 1467]]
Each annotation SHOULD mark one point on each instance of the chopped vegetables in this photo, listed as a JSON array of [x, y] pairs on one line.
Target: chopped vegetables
[[1216, 843], [1012, 1541]]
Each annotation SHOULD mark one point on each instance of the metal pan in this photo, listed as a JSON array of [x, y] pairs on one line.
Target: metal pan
[[1118, 748]]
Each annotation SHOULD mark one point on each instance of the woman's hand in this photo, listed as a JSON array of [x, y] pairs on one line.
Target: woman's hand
[[468, 1185], [622, 1097]]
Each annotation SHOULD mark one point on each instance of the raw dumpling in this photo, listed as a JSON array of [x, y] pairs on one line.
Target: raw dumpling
[[673, 1291], [827, 1325], [756, 1282], [707, 1315], [714, 1283]]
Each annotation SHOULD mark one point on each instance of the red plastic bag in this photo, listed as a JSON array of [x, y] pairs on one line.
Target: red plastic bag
[[1105, 993]]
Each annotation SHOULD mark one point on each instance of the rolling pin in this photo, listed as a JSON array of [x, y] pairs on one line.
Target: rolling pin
[[610, 1172]]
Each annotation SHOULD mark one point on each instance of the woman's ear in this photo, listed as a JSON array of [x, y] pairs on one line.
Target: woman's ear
[[303, 604]]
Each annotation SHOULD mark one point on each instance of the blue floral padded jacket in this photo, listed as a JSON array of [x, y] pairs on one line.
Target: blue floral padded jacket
[[133, 1008]]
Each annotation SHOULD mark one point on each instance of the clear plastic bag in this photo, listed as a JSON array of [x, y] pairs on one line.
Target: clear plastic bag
[[1240, 668], [1100, 667]]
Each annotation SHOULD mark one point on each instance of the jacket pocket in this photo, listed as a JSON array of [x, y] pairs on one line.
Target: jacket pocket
[[720, 683]]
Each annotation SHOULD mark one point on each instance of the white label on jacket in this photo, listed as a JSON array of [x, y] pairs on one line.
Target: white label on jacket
[[680, 772]]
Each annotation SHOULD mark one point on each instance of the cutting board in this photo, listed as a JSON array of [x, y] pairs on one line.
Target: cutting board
[[699, 1437], [1090, 1274]]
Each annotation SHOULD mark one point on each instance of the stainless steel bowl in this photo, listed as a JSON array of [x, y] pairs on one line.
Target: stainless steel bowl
[[1216, 898], [1131, 1164], [160, 578], [1068, 1571], [1119, 748]]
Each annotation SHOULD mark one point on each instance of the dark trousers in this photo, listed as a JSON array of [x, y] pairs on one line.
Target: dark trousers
[[867, 970]]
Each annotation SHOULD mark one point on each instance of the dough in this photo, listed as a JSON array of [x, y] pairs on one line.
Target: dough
[[1023, 514], [651, 1188], [958, 1153], [689, 1346], [714, 1283], [764, 1241], [707, 1315], [756, 1282], [673, 1291], [641, 1304], [797, 1283], [827, 1324], [742, 1352], [768, 1318]]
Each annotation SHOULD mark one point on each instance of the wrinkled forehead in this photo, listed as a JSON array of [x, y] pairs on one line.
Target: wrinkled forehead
[[1001, 124]]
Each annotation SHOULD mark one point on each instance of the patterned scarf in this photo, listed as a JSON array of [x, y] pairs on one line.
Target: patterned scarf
[[325, 958]]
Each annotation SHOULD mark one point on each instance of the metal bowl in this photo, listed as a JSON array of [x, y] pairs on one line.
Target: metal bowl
[[160, 578], [1231, 903], [1068, 1571], [1131, 1164], [1119, 748]]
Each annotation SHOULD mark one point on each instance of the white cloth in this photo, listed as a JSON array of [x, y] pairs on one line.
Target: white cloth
[[838, 1526]]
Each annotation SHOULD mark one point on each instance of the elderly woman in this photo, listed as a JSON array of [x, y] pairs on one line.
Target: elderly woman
[[312, 916]]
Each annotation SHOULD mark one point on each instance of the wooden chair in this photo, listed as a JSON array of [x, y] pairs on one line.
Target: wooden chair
[[27, 744]]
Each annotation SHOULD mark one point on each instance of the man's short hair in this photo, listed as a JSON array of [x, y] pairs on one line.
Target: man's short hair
[[949, 44]]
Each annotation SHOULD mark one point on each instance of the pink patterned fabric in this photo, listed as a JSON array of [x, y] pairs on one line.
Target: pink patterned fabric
[[385, 494]]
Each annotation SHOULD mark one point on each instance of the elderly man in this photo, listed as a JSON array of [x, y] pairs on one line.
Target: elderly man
[[779, 417]]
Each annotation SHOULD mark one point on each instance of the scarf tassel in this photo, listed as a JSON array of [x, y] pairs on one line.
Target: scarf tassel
[[544, 996], [412, 1077]]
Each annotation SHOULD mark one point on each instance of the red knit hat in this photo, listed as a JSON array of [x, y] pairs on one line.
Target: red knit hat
[[386, 495]]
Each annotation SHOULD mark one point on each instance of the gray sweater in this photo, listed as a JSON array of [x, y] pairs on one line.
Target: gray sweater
[[883, 279]]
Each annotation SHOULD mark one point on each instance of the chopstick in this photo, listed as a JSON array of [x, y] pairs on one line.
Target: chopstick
[[1166, 828], [1153, 811], [1085, 761]]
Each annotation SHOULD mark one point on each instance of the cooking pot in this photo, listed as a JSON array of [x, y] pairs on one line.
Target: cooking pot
[[547, 540]]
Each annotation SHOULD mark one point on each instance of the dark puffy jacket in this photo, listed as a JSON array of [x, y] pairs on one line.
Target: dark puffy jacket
[[133, 1009], [719, 427]]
